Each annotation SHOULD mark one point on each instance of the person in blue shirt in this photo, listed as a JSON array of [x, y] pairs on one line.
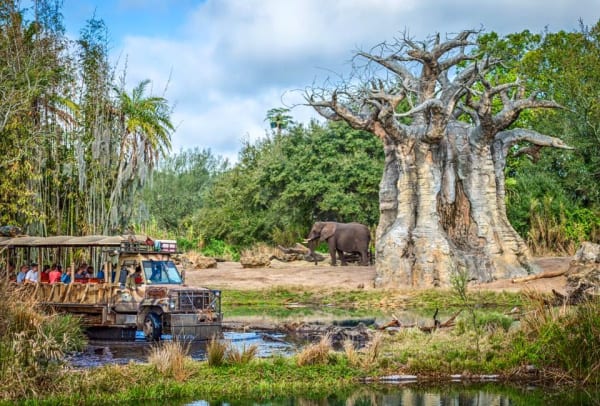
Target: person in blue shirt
[[65, 277], [22, 273]]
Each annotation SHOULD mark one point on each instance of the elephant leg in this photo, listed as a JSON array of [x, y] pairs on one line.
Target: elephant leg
[[332, 252], [342, 257], [364, 258]]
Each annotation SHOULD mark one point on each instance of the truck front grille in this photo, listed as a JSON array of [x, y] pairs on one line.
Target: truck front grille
[[191, 301]]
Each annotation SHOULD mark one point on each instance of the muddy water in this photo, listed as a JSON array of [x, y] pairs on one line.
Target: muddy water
[[99, 353]]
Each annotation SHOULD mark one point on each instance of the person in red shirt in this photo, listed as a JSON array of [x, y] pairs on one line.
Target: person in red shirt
[[54, 274], [45, 275]]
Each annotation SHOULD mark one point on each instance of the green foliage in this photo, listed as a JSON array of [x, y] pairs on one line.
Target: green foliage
[[177, 190], [220, 249], [560, 64], [283, 183]]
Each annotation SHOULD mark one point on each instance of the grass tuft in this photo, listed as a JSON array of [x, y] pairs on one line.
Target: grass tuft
[[316, 353], [244, 355], [170, 359], [215, 352], [351, 354]]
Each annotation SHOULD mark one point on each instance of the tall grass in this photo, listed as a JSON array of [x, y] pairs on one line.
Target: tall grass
[[565, 339], [221, 353], [32, 343], [215, 352], [170, 359], [316, 353]]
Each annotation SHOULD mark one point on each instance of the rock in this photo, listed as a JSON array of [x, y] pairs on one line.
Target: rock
[[256, 261], [588, 252], [194, 260], [583, 277]]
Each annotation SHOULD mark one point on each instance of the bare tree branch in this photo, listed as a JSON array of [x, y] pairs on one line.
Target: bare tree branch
[[510, 137]]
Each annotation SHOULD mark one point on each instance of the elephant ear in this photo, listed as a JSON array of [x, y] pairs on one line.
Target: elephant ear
[[328, 231]]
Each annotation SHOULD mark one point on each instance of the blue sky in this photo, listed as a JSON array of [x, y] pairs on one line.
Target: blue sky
[[224, 63]]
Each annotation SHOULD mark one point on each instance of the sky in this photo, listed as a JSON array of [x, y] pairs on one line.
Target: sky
[[223, 64]]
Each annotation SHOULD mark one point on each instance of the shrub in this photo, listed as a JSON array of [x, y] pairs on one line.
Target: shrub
[[220, 249]]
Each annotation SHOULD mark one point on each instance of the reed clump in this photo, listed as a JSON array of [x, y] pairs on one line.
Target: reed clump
[[32, 343], [171, 358], [215, 352], [220, 352], [316, 353], [564, 338], [240, 356]]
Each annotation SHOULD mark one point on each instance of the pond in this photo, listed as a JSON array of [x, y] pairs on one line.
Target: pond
[[100, 353], [491, 394]]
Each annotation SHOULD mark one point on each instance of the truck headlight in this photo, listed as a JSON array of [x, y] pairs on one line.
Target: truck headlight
[[172, 304]]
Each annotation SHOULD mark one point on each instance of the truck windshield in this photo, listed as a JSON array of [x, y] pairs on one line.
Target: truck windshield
[[161, 272]]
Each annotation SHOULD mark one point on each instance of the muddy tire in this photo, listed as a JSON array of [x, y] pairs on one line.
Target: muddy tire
[[152, 327]]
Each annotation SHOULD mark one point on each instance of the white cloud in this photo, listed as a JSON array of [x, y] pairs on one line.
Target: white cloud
[[232, 60]]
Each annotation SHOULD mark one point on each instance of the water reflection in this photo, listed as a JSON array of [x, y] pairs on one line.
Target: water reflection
[[458, 395]]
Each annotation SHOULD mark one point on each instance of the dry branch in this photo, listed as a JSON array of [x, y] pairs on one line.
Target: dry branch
[[547, 274]]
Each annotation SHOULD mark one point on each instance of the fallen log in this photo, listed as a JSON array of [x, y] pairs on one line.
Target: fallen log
[[547, 274]]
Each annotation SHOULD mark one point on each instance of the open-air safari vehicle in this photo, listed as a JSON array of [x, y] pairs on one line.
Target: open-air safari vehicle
[[141, 289]]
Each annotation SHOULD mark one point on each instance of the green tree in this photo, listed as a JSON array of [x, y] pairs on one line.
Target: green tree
[[279, 119], [554, 198], [281, 185], [177, 188], [145, 131]]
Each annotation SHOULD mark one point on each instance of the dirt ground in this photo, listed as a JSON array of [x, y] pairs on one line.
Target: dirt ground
[[231, 275]]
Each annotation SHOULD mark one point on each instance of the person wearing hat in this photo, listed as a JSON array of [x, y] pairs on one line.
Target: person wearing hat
[[32, 274]]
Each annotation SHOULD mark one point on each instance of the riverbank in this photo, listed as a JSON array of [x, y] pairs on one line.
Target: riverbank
[[499, 334]]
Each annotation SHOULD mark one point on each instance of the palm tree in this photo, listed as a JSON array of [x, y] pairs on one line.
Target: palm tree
[[146, 128], [279, 119]]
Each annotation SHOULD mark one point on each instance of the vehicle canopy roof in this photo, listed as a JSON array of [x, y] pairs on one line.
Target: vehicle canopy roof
[[70, 241]]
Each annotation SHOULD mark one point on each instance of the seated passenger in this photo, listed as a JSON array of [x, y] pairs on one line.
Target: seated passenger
[[100, 274], [54, 274], [32, 274], [45, 274], [80, 274], [21, 274], [64, 277]]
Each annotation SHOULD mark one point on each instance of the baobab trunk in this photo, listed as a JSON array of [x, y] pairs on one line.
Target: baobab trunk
[[440, 213], [446, 136]]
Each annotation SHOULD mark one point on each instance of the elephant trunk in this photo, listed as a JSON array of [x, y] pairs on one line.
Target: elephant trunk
[[312, 245]]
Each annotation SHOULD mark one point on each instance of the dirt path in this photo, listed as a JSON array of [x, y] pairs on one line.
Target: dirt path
[[231, 275]]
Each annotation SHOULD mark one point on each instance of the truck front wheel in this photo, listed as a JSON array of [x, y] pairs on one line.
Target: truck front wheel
[[152, 327]]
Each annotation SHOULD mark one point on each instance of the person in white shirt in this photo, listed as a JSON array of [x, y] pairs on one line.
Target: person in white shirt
[[32, 274]]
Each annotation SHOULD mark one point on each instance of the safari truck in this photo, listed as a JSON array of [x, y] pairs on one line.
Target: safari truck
[[140, 288]]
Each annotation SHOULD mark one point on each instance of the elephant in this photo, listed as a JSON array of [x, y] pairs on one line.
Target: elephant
[[341, 237]]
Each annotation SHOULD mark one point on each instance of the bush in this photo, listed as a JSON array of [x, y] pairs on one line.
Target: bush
[[220, 249]]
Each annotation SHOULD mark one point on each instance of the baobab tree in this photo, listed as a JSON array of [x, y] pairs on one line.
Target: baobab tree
[[445, 118]]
